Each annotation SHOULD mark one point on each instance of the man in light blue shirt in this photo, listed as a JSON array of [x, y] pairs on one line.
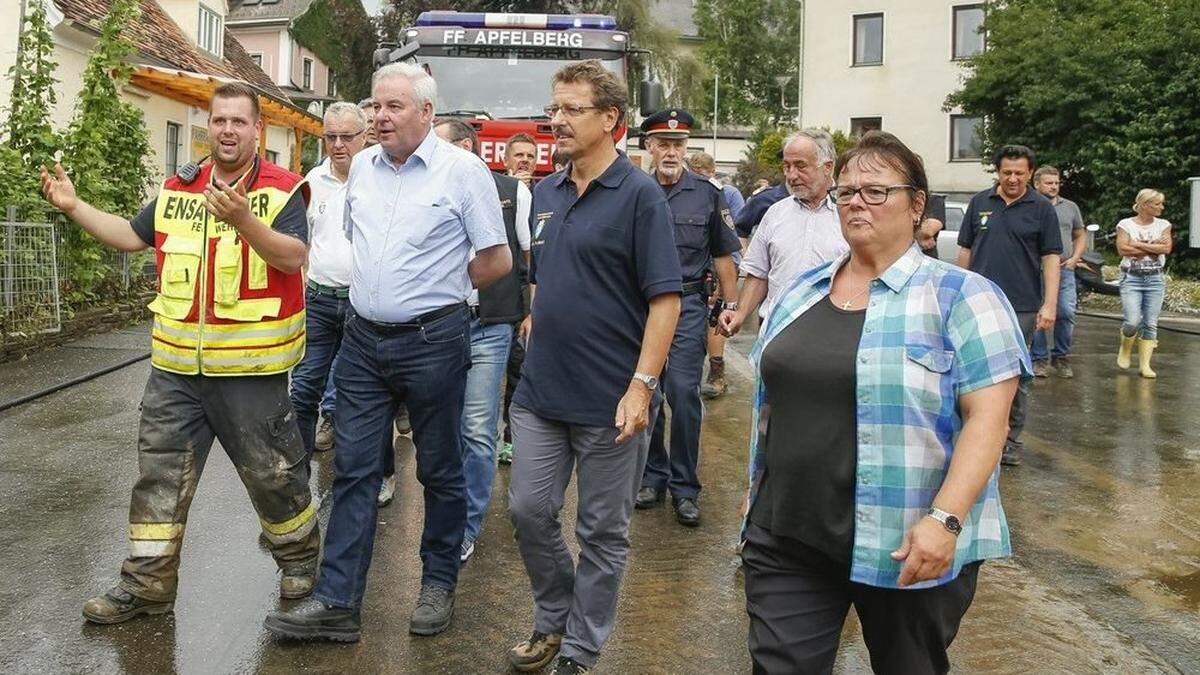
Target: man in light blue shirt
[[416, 207]]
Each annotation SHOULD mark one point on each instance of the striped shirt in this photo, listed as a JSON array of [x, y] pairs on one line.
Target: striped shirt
[[932, 333]]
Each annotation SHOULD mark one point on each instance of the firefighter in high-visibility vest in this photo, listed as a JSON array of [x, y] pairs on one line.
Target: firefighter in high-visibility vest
[[229, 237]]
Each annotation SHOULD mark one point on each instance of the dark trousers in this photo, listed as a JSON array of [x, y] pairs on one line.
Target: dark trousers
[[1027, 321], [425, 369], [323, 325], [681, 386], [251, 416], [797, 598], [512, 376]]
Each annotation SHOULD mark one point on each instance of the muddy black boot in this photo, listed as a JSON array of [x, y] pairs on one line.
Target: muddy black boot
[[118, 605], [714, 386]]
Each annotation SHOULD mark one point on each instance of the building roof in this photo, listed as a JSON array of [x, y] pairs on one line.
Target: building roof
[[265, 10], [678, 15], [159, 39]]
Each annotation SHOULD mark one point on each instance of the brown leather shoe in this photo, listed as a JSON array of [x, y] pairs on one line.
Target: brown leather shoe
[[119, 605], [534, 653], [714, 386]]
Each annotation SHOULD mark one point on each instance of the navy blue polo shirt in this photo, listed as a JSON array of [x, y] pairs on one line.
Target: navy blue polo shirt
[[598, 259], [756, 206], [703, 225], [1007, 242]]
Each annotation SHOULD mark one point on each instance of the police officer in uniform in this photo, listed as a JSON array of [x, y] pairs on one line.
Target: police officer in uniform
[[704, 236], [230, 238]]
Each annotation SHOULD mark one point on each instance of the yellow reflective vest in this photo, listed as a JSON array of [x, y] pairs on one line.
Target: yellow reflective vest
[[220, 309]]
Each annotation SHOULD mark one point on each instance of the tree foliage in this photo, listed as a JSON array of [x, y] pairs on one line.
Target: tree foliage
[[105, 148], [341, 34], [748, 44], [1106, 90], [30, 139]]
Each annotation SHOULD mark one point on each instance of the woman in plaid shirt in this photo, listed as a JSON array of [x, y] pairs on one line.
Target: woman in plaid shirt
[[884, 384]]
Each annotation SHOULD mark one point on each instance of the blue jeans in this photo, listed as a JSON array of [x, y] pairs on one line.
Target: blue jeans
[[329, 398], [1064, 322], [681, 386], [323, 325], [481, 417], [427, 370], [1141, 302]]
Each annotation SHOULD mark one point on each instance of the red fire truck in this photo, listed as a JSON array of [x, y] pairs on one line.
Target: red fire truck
[[495, 70]]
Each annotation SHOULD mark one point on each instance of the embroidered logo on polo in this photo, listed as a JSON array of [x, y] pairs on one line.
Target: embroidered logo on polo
[[541, 223]]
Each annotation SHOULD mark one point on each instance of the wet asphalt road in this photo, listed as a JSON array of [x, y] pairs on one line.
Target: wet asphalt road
[[1105, 515]]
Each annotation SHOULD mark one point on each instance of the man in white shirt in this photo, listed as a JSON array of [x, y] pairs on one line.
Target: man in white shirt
[[795, 234], [329, 259]]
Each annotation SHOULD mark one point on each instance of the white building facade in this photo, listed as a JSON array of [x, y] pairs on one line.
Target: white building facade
[[890, 64]]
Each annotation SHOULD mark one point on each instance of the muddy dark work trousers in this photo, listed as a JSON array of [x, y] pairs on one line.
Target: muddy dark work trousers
[[797, 598], [252, 418]]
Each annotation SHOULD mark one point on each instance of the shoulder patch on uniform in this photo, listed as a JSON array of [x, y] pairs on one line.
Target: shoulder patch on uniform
[[727, 217]]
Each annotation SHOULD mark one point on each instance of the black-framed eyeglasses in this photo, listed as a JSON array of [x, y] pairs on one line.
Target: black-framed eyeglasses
[[332, 139], [568, 110], [873, 195]]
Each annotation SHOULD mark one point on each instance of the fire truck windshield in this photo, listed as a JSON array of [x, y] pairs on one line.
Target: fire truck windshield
[[506, 85]]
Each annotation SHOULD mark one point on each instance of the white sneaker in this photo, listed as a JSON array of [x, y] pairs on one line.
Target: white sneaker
[[387, 490], [468, 548]]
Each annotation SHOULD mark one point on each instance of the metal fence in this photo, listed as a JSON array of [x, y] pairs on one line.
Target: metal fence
[[35, 274], [29, 277]]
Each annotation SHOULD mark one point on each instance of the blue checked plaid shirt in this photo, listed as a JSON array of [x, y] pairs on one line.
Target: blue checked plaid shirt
[[932, 333]]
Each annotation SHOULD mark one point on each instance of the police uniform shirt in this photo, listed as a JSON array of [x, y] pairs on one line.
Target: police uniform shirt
[[756, 207], [598, 259], [1007, 242], [703, 224], [291, 220]]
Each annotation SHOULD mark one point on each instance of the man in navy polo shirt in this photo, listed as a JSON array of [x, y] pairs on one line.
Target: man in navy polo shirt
[[1010, 235], [605, 284], [703, 235]]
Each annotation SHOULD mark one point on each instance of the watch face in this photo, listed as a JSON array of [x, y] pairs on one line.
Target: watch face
[[953, 525]]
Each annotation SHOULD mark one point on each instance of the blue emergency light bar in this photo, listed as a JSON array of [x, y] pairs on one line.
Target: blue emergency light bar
[[503, 20]]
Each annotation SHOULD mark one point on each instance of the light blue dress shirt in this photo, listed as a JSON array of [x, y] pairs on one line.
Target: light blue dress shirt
[[413, 227]]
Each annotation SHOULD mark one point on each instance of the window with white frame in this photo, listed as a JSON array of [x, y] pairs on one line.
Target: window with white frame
[[966, 135], [257, 58], [968, 31], [211, 32], [171, 154], [868, 39], [308, 73]]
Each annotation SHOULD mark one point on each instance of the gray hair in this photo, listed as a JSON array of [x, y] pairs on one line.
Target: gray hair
[[367, 102], [345, 110], [820, 138], [424, 87]]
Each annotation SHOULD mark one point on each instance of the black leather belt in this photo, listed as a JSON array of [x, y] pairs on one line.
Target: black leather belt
[[411, 326], [693, 287], [331, 291]]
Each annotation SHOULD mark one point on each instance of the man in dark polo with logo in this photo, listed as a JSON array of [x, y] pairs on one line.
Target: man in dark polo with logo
[[605, 284], [704, 235], [1010, 235]]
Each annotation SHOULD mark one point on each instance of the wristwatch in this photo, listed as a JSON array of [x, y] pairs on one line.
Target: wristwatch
[[949, 520], [650, 381], [731, 306]]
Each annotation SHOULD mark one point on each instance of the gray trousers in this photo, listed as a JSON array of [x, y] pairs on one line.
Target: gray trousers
[[1016, 416], [578, 601]]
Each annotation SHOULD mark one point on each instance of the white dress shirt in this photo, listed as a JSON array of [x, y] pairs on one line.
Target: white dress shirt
[[413, 227], [329, 253], [790, 239]]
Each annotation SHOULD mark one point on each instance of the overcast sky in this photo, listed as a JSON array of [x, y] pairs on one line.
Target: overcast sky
[[372, 6]]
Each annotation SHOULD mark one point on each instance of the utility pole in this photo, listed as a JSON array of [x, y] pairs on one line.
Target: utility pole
[[716, 108], [800, 72]]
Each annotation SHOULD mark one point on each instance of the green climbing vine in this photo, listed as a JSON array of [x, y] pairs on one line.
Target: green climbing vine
[[30, 140]]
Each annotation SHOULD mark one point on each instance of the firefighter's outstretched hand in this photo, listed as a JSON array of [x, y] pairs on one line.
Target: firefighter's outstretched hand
[[59, 190], [227, 204]]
